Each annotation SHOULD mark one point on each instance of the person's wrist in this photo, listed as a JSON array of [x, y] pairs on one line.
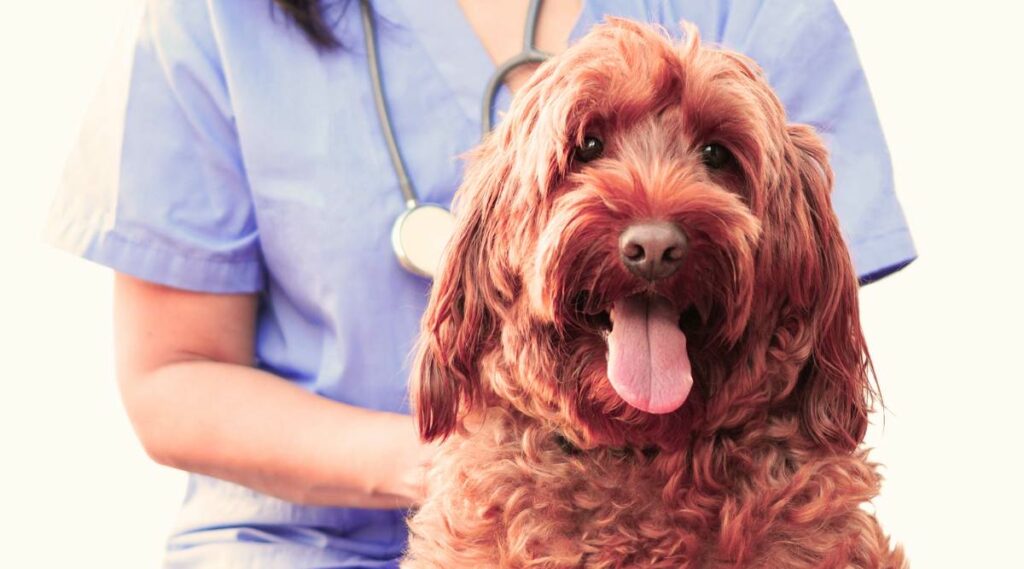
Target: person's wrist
[[395, 443]]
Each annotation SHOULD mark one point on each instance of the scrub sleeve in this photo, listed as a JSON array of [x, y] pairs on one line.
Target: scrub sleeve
[[156, 188], [841, 109]]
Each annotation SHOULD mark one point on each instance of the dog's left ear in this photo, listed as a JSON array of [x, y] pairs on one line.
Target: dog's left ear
[[471, 289], [833, 389], [506, 177], [455, 326]]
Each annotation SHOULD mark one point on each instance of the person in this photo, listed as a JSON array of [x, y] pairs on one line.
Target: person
[[236, 178]]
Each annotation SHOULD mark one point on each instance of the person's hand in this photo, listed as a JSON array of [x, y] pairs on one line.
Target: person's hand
[[406, 461]]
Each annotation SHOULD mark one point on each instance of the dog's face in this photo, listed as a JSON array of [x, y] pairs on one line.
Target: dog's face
[[646, 250]]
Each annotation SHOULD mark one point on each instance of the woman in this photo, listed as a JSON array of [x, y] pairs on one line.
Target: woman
[[239, 184]]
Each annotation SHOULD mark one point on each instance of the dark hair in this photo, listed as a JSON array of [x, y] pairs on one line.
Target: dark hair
[[312, 16]]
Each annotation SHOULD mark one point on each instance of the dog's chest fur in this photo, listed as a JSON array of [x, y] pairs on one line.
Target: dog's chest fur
[[510, 496], [513, 489]]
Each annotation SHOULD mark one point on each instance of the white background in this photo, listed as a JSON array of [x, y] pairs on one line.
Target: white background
[[76, 489]]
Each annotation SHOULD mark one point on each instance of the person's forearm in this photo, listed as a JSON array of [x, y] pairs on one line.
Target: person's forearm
[[250, 427]]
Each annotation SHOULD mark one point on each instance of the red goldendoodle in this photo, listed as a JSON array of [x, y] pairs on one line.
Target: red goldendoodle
[[644, 348]]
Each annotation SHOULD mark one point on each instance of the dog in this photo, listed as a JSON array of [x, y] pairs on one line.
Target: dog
[[643, 348]]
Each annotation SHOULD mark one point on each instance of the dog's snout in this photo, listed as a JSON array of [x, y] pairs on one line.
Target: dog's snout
[[652, 250]]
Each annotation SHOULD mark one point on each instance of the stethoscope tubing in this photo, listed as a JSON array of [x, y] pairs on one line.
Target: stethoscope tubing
[[411, 199], [413, 229], [530, 54], [525, 57]]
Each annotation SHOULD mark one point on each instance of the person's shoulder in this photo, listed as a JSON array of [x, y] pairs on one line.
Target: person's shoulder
[[173, 23], [196, 10], [183, 13], [202, 20], [218, 32]]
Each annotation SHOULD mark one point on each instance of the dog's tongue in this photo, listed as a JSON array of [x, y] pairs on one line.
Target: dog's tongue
[[647, 361]]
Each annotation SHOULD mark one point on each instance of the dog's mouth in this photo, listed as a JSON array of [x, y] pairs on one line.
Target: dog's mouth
[[648, 364]]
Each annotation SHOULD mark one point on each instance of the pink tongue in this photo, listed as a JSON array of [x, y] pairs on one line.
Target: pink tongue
[[647, 361]]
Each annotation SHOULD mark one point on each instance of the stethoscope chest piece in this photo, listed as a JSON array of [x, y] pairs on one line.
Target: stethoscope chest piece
[[419, 237]]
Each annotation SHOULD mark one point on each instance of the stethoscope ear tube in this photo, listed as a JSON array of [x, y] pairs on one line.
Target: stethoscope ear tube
[[530, 54], [524, 57]]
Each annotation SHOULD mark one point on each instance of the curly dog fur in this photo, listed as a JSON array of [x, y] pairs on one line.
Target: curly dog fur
[[543, 463]]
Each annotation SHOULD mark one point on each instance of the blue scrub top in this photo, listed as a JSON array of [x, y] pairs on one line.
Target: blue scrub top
[[230, 156]]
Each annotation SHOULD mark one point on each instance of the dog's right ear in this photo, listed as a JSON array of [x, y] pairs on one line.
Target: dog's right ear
[[834, 390]]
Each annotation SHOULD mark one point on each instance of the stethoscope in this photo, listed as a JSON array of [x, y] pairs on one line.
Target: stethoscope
[[422, 231]]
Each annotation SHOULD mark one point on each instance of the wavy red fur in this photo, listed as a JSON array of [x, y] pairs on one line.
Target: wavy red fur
[[761, 465]]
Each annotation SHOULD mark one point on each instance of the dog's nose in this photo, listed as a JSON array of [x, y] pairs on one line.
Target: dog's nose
[[652, 250]]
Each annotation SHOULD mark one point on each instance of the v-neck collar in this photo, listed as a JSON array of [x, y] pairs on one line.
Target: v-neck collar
[[459, 55]]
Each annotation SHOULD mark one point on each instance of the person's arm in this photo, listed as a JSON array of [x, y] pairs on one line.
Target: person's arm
[[184, 366]]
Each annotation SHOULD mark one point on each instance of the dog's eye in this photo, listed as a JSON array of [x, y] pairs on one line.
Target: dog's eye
[[715, 156], [591, 149]]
